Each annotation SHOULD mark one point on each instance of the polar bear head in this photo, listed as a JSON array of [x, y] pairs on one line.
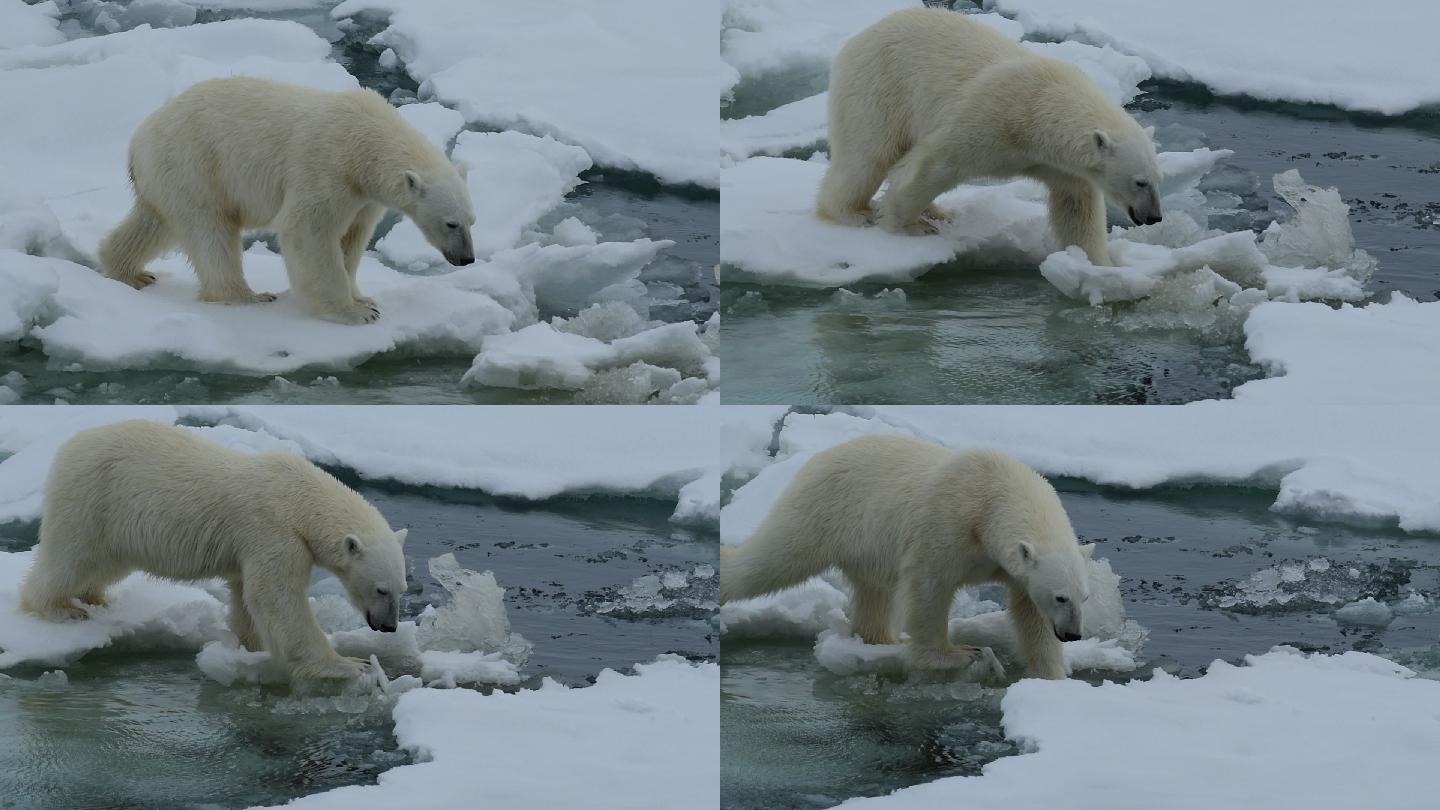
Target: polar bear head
[[373, 572], [1056, 580], [1128, 173], [440, 206]]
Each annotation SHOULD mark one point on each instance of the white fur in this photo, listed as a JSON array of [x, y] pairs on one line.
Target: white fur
[[141, 496], [320, 167], [906, 518], [931, 99]]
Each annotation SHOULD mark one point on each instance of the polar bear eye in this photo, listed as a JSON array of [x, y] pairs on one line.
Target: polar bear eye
[[452, 225], [1062, 600], [382, 591], [1142, 183]]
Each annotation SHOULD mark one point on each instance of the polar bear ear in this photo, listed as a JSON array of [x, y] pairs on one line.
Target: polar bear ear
[[1149, 132], [1087, 550], [415, 184], [1103, 143], [401, 535], [1028, 555], [463, 168], [352, 545]]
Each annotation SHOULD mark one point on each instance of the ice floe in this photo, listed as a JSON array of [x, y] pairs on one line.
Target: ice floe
[[1280, 725], [629, 742], [1270, 50], [646, 103]]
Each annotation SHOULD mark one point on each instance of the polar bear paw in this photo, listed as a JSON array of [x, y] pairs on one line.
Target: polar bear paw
[[980, 662], [355, 312], [139, 280], [340, 668]]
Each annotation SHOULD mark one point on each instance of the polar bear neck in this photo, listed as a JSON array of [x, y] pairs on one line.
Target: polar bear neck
[[390, 141], [320, 508], [1059, 112]]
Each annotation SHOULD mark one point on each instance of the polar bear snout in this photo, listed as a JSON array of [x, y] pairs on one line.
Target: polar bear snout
[[383, 625], [1067, 636], [458, 258], [1149, 217]]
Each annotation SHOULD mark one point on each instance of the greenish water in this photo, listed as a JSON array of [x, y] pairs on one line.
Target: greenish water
[[973, 332], [137, 728], [618, 205], [797, 736]]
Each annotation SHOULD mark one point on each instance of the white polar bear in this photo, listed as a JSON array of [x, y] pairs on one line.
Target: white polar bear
[[931, 98], [141, 496], [320, 167], [903, 517]]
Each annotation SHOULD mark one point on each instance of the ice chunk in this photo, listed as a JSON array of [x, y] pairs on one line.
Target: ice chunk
[[449, 669], [1319, 235], [669, 593], [23, 24], [1310, 585], [474, 620], [1367, 611]]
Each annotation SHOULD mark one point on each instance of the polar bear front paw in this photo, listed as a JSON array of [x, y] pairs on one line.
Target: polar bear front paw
[[915, 227], [356, 312], [980, 662], [340, 668]]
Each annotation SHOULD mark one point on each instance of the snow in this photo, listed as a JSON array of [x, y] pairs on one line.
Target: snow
[[1271, 50], [1281, 725], [57, 211], [642, 100], [635, 742], [1366, 611], [1377, 354], [23, 23]]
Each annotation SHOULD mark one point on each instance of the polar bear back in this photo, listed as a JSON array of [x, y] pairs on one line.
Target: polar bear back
[[261, 140], [163, 500]]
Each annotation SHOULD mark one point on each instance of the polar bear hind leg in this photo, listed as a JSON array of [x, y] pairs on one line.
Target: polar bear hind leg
[[140, 237]]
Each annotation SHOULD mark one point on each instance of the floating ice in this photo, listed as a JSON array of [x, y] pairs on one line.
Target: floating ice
[[1154, 732], [1269, 49], [645, 103], [1314, 585], [1367, 611], [473, 621], [673, 592], [644, 738]]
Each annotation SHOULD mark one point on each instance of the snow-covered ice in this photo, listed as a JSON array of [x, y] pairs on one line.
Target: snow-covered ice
[[646, 103], [1274, 50], [1277, 728], [24, 23], [629, 742], [1324, 462]]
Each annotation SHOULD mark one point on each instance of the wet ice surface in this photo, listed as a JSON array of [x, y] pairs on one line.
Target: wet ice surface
[[94, 741], [425, 356], [993, 330], [866, 735]]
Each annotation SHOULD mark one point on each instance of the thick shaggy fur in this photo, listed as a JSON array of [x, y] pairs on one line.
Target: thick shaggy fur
[[908, 519], [140, 496], [930, 99], [320, 167]]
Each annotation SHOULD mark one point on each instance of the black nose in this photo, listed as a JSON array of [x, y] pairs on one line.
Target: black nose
[[460, 260], [1068, 636], [1153, 220], [383, 627]]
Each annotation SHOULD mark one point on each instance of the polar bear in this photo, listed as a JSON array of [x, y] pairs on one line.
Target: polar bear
[[931, 98], [142, 496], [320, 167], [901, 517]]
